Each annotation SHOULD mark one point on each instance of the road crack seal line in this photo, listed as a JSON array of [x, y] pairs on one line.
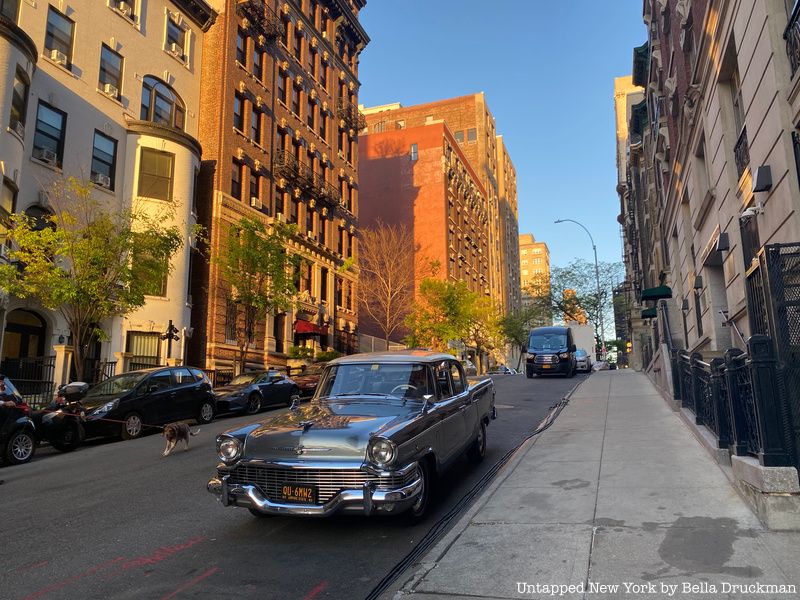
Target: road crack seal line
[[158, 555], [64, 583]]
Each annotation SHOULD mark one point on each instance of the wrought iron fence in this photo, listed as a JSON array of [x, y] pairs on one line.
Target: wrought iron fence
[[741, 152], [33, 378], [220, 377], [139, 363]]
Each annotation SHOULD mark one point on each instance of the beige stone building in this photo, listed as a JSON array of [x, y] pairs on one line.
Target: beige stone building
[[534, 267], [107, 91]]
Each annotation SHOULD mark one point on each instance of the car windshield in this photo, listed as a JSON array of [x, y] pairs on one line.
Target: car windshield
[[244, 379], [406, 381], [119, 384], [580, 353], [547, 341]]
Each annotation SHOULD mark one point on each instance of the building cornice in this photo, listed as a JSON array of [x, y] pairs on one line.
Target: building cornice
[[362, 39], [13, 33], [198, 11], [166, 133]]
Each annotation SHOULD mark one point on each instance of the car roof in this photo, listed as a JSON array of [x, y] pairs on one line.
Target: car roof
[[394, 356], [550, 330]]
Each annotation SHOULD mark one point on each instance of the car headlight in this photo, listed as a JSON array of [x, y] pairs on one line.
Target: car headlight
[[564, 355], [107, 407], [229, 448], [381, 451]]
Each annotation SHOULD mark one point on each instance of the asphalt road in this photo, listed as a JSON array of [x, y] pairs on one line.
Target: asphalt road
[[117, 520]]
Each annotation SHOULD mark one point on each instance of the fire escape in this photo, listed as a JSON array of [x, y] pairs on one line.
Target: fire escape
[[261, 19], [352, 117]]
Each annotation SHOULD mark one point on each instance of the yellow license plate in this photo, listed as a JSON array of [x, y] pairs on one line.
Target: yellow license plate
[[299, 494], [545, 366]]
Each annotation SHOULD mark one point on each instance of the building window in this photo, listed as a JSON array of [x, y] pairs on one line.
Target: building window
[[351, 242], [312, 11], [236, 179], [310, 113], [310, 222], [104, 160], [293, 210], [472, 135], [460, 137], [48, 140], [176, 39], [58, 38], [231, 315], [738, 105], [110, 81], [305, 276], [322, 233], [287, 25], [8, 198], [296, 100], [255, 187], [282, 88], [414, 152], [238, 112], [312, 62], [145, 266], [323, 74], [8, 9], [255, 126], [280, 202], [258, 63], [241, 48], [340, 242], [155, 174], [323, 125], [19, 102], [323, 284], [161, 104], [298, 46]]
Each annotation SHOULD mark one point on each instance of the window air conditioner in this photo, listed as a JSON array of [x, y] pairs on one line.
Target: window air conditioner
[[101, 180], [125, 8], [59, 57], [176, 49], [280, 217], [4, 252], [18, 128], [45, 155], [255, 201], [110, 90]]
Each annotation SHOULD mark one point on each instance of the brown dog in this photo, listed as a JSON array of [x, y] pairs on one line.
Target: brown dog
[[175, 432]]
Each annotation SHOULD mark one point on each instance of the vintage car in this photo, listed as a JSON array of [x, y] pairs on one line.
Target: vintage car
[[379, 430]]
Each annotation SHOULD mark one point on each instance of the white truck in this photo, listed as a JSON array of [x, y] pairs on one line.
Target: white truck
[[584, 337]]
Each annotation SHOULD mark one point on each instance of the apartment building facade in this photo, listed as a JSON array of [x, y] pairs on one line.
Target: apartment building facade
[[281, 123], [107, 92], [712, 174], [508, 216], [475, 130], [534, 268]]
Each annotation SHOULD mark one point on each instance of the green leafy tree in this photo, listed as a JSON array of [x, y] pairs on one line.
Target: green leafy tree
[[439, 315], [516, 326], [482, 329], [88, 261], [254, 262]]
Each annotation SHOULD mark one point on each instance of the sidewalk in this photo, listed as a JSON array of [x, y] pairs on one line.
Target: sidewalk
[[617, 491]]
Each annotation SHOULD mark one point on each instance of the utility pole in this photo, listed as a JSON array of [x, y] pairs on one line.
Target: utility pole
[[170, 335]]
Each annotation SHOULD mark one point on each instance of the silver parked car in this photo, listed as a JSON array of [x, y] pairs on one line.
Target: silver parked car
[[378, 431], [583, 362]]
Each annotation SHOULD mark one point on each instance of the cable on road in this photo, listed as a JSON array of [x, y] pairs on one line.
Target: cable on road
[[443, 524]]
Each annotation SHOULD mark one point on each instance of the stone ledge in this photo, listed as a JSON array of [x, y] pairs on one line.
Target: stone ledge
[[706, 437], [778, 512], [765, 479]]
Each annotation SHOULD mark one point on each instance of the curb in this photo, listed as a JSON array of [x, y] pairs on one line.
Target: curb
[[430, 559]]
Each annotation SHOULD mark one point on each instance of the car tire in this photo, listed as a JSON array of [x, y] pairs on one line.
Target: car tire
[[477, 451], [69, 438], [529, 374], [20, 448], [206, 413], [294, 397], [419, 510], [131, 426], [253, 404], [259, 514]]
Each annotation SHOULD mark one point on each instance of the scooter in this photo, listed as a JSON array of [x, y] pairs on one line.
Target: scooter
[[61, 422]]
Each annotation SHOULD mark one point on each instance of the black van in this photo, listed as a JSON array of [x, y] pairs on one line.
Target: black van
[[551, 350]]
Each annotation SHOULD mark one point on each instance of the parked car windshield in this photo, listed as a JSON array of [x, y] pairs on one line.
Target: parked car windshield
[[244, 379], [119, 384], [547, 341], [580, 353], [407, 381]]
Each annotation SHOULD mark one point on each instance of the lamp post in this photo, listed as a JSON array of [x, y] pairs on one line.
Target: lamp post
[[597, 281]]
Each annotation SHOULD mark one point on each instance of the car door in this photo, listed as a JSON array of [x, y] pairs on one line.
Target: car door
[[156, 402], [467, 410], [269, 385], [447, 408], [186, 401]]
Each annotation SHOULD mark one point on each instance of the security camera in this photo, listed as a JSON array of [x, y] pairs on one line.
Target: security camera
[[751, 212]]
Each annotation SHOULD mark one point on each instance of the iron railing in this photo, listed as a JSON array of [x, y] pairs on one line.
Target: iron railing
[[33, 378], [792, 37], [741, 152], [139, 362], [220, 377], [349, 113], [261, 19]]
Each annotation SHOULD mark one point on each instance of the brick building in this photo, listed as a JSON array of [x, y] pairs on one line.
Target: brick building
[[534, 266], [420, 177], [279, 105], [473, 127]]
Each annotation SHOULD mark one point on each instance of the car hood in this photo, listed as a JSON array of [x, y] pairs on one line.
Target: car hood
[[90, 403], [229, 389], [323, 431]]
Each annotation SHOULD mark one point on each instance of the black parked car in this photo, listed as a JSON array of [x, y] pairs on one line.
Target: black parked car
[[250, 392], [17, 434], [126, 404]]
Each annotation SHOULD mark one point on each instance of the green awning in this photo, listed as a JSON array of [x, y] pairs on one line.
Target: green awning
[[649, 313], [641, 64], [657, 293], [638, 121]]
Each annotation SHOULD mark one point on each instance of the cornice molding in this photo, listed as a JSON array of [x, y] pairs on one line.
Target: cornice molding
[[167, 133], [13, 33]]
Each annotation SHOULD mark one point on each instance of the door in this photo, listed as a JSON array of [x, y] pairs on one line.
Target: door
[[157, 401], [274, 388], [448, 409], [186, 401], [467, 410]]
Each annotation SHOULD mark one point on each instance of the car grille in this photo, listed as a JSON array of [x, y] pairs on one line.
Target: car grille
[[329, 482], [543, 359]]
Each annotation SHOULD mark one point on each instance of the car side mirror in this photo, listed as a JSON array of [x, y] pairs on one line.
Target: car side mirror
[[572, 348], [428, 401], [153, 388]]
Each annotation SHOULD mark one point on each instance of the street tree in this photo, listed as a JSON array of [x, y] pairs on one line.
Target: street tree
[[88, 260], [387, 276], [482, 327], [439, 315], [260, 272], [516, 326]]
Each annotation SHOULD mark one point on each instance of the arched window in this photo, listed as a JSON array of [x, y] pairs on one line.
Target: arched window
[[161, 104]]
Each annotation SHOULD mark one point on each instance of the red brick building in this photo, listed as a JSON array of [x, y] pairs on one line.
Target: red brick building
[[420, 176]]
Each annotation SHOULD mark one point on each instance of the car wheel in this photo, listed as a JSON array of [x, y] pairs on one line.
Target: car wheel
[[294, 397], [131, 427], [253, 404], [20, 448], [206, 414], [419, 509], [529, 374], [69, 438], [477, 451]]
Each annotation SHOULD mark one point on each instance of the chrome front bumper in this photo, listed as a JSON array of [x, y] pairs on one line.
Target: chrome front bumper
[[365, 500]]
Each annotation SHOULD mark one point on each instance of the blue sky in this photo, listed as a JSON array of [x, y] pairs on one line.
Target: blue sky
[[547, 68]]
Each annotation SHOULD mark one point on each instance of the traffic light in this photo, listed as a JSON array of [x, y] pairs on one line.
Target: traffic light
[[628, 347]]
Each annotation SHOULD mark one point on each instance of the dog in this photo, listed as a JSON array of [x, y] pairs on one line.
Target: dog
[[175, 432]]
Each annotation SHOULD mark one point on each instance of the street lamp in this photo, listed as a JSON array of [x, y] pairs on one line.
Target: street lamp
[[597, 281]]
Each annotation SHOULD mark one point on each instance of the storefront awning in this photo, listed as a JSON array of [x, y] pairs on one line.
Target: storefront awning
[[657, 293], [302, 326], [649, 313]]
